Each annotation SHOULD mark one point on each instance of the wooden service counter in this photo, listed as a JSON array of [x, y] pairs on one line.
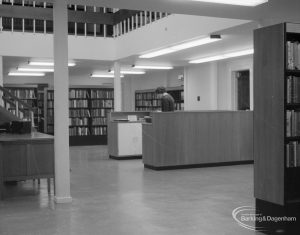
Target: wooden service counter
[[26, 156], [125, 135], [198, 139]]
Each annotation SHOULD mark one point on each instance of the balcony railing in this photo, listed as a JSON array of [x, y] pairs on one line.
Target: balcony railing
[[117, 27]]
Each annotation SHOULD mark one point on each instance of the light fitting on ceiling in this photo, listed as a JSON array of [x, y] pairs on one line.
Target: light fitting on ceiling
[[151, 67], [222, 56], [182, 46], [248, 3], [26, 74], [128, 72], [94, 75], [35, 69], [48, 63]]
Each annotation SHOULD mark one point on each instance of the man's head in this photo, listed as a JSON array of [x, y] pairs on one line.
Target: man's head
[[160, 90]]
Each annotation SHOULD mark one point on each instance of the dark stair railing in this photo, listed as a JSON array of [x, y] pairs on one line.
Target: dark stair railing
[[17, 107]]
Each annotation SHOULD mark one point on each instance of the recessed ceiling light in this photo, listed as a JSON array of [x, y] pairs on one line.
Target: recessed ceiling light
[[49, 63], [182, 46], [103, 76], [151, 67], [249, 3], [35, 69], [26, 74], [129, 72], [222, 56]]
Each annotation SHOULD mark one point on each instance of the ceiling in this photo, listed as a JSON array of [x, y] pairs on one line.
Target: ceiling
[[236, 38]]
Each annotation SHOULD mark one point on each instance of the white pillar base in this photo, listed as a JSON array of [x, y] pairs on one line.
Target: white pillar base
[[60, 200]]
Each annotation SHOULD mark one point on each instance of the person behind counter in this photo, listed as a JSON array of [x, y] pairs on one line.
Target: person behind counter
[[167, 101]]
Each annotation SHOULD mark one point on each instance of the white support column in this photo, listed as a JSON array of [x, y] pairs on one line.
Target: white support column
[[117, 87], [61, 103]]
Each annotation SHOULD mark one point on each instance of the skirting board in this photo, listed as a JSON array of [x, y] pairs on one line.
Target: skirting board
[[126, 157], [159, 168]]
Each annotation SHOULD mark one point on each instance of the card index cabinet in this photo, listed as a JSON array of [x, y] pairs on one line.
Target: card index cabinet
[[277, 114], [88, 110]]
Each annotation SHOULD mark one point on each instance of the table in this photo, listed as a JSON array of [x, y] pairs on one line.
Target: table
[[26, 156]]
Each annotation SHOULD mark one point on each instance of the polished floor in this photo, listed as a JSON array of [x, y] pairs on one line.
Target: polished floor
[[121, 197]]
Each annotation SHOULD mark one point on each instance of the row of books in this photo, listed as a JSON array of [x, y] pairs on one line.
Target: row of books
[[103, 94], [293, 154], [79, 113], [293, 55], [147, 108], [293, 123], [100, 112], [23, 93], [79, 131], [293, 89], [99, 121], [146, 96], [99, 130], [102, 103], [78, 103], [80, 94], [148, 102], [79, 121]]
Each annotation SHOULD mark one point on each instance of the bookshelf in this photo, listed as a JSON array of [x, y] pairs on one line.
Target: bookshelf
[[88, 109], [30, 95], [277, 114], [147, 100]]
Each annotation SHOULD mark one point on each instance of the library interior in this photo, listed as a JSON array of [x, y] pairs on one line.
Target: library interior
[[149, 117]]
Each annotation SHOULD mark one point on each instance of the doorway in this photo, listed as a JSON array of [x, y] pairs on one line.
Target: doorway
[[242, 81]]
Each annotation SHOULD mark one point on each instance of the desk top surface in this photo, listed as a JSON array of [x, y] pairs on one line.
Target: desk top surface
[[25, 137]]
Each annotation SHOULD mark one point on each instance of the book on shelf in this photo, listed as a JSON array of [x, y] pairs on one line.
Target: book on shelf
[[79, 121], [99, 121], [78, 94], [102, 94], [293, 154], [102, 103], [79, 131], [79, 113], [293, 89], [293, 55], [78, 103], [293, 123], [99, 130], [23, 93]]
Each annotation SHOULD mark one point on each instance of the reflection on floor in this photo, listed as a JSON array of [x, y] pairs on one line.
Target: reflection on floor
[[121, 197]]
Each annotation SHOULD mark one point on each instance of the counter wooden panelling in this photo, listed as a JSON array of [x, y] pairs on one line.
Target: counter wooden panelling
[[191, 139]]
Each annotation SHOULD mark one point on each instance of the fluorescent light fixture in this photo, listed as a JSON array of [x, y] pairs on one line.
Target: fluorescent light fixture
[[151, 67], [223, 56], [26, 74], [248, 3], [45, 63], [103, 76], [182, 46], [129, 72], [35, 69]]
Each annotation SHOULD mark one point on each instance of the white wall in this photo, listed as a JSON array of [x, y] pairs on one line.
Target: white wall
[[41, 46], [214, 83], [226, 83], [200, 80]]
